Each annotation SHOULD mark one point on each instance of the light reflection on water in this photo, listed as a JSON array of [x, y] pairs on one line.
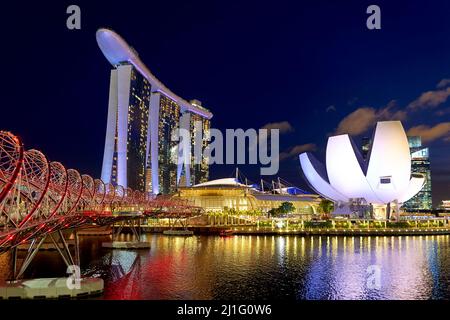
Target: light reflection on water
[[263, 267]]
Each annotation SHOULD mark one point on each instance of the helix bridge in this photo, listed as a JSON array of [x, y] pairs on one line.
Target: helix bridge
[[40, 198]]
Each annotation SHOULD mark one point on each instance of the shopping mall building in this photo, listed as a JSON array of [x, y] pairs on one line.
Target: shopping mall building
[[227, 194]]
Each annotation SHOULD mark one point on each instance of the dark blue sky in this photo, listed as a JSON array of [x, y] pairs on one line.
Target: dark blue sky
[[251, 64]]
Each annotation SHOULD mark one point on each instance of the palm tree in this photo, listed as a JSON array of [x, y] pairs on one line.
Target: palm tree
[[287, 207], [274, 212], [326, 207]]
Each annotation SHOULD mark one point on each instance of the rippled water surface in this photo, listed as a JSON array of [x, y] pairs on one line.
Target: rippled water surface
[[263, 267]]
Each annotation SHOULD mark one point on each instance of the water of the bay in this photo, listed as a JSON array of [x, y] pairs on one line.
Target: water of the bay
[[262, 267]]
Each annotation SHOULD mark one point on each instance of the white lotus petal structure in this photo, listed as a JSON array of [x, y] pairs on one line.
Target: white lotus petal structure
[[384, 178]]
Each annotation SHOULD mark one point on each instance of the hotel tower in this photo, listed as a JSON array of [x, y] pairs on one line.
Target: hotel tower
[[143, 117]]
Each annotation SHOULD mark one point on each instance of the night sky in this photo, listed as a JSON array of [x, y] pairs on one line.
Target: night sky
[[311, 67]]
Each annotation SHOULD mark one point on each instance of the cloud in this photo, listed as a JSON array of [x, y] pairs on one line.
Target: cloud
[[391, 112], [330, 108], [358, 121], [428, 134], [443, 83], [430, 99], [283, 126], [296, 150], [443, 112], [364, 118]]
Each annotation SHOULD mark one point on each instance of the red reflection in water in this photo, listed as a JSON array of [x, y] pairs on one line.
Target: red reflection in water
[[147, 282]]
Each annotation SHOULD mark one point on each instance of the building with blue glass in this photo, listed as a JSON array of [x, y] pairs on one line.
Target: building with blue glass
[[420, 163]]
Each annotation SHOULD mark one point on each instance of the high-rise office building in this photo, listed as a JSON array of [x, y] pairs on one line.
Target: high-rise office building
[[365, 147], [420, 163], [141, 147]]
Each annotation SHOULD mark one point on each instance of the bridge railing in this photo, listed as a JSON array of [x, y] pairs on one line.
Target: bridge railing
[[38, 196]]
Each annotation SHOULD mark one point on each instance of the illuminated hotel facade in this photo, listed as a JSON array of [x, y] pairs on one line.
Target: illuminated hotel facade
[[143, 117]]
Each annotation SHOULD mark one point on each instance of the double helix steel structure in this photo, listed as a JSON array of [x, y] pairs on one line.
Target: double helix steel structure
[[40, 197]]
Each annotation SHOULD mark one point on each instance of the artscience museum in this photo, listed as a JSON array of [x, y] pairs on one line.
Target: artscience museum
[[372, 188]]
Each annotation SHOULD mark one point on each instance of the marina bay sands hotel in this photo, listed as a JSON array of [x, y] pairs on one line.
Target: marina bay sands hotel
[[142, 116]]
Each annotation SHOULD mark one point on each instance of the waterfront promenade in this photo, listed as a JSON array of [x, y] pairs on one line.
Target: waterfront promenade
[[330, 227]]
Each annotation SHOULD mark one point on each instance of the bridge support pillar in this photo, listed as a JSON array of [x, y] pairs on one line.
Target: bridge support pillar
[[77, 248], [14, 262], [60, 245], [134, 224]]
